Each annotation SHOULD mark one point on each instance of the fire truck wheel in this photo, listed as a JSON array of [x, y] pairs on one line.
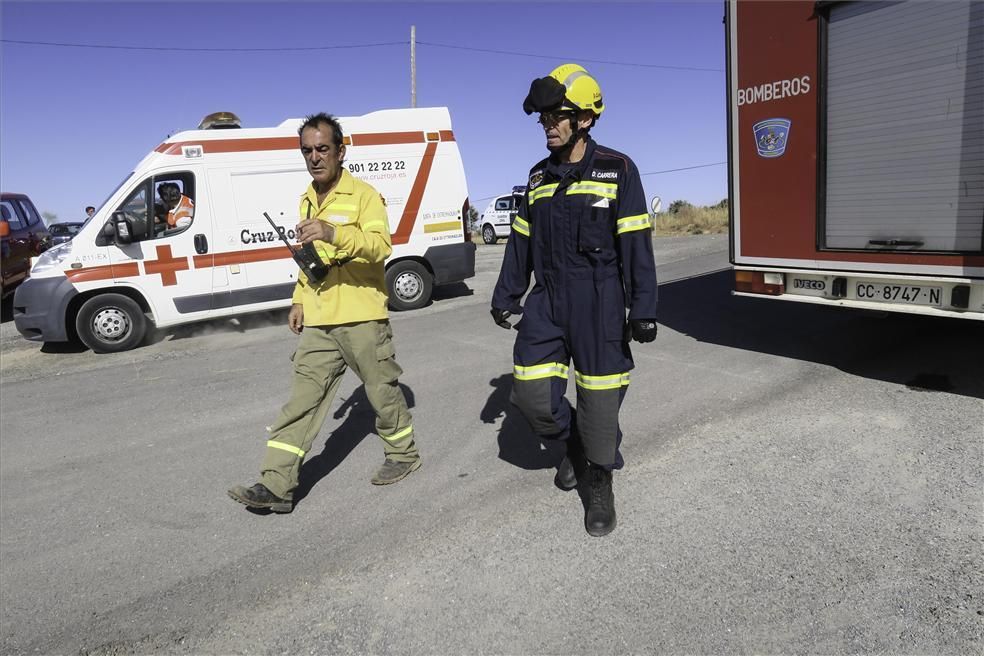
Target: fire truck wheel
[[488, 234], [110, 323], [409, 285]]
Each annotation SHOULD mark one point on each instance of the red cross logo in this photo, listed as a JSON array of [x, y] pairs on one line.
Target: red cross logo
[[166, 265]]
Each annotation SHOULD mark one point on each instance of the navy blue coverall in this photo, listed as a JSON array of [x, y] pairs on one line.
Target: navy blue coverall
[[584, 231]]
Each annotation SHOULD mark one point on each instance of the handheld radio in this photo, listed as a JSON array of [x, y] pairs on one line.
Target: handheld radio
[[307, 257]]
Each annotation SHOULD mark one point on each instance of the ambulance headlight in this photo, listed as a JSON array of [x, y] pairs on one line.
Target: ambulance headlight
[[51, 258]]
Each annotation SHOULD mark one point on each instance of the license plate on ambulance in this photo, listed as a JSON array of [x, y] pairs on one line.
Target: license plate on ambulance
[[882, 292]]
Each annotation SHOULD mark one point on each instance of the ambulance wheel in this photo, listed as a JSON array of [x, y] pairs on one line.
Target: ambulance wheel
[[110, 323], [488, 234], [409, 285]]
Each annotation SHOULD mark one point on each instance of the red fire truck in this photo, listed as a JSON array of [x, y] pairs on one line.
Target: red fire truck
[[856, 153]]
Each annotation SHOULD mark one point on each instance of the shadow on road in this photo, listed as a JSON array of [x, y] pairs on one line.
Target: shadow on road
[[454, 290], [924, 353], [359, 422], [7, 309], [71, 346], [518, 445]]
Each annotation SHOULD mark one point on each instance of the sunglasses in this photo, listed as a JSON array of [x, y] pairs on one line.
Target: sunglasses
[[555, 117]]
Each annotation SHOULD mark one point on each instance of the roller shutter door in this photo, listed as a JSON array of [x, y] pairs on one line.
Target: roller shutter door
[[905, 126]]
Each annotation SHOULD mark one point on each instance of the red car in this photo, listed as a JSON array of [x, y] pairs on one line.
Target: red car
[[22, 236]]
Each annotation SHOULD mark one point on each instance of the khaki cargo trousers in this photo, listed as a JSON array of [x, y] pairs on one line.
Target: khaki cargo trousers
[[323, 355]]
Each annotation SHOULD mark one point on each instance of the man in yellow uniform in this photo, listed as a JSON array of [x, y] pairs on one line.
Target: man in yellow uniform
[[342, 321]]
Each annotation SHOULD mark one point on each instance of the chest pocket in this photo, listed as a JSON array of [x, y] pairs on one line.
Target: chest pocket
[[596, 229]]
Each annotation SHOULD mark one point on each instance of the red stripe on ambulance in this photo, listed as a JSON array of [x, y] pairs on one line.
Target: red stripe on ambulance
[[409, 217]]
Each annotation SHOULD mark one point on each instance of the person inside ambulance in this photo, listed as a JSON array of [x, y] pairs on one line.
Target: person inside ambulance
[[583, 228], [160, 217], [179, 209]]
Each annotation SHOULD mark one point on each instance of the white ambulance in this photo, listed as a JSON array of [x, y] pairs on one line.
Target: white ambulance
[[133, 264]]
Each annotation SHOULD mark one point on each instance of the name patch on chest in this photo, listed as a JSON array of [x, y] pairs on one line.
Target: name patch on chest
[[604, 175]]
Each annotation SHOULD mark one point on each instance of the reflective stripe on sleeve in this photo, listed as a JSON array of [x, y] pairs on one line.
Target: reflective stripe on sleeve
[[373, 224], [611, 381], [399, 435], [521, 226], [538, 371], [285, 447], [630, 223], [545, 191]]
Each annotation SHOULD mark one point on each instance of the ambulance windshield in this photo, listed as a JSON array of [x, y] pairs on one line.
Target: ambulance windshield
[[111, 194]]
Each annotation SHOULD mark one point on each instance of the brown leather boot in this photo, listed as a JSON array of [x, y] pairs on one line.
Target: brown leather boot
[[259, 496], [393, 471]]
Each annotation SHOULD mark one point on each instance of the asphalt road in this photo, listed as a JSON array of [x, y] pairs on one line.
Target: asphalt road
[[799, 480]]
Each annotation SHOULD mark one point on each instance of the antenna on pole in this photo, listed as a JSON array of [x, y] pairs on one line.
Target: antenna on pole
[[413, 65]]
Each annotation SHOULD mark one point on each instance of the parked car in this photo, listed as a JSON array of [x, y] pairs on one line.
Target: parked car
[[62, 232], [496, 221], [22, 236]]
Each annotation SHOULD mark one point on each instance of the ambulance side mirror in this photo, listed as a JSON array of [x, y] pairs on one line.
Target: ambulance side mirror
[[4, 228], [120, 227]]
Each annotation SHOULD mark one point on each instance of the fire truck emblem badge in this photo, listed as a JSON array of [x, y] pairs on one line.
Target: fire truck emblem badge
[[771, 136], [535, 179]]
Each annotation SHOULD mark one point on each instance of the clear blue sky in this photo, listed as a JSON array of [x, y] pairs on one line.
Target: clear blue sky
[[74, 121]]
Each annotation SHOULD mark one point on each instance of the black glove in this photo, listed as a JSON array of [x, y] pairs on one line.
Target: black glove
[[643, 330], [500, 316]]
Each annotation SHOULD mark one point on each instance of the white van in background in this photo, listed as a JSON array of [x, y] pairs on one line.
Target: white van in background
[[497, 218], [132, 265]]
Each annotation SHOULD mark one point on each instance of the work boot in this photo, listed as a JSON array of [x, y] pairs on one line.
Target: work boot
[[566, 478], [599, 518], [393, 471], [259, 496]]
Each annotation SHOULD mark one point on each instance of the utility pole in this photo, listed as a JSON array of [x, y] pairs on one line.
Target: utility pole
[[413, 65]]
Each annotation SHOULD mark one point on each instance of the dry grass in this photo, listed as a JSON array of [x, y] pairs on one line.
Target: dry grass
[[689, 220]]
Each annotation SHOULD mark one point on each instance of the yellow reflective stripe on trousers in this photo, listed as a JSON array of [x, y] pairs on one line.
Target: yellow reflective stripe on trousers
[[611, 381], [542, 192], [538, 371], [395, 437], [285, 447], [630, 223], [521, 226], [603, 189]]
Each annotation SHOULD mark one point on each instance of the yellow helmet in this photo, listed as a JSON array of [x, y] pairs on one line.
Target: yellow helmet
[[583, 91]]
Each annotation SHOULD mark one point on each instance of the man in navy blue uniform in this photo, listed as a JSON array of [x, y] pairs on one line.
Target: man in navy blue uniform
[[584, 230]]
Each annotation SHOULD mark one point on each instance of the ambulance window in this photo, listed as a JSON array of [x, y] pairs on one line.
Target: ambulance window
[[134, 210], [174, 203], [503, 203]]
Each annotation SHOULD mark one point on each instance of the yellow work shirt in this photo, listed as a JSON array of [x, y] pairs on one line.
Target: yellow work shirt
[[355, 288]]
